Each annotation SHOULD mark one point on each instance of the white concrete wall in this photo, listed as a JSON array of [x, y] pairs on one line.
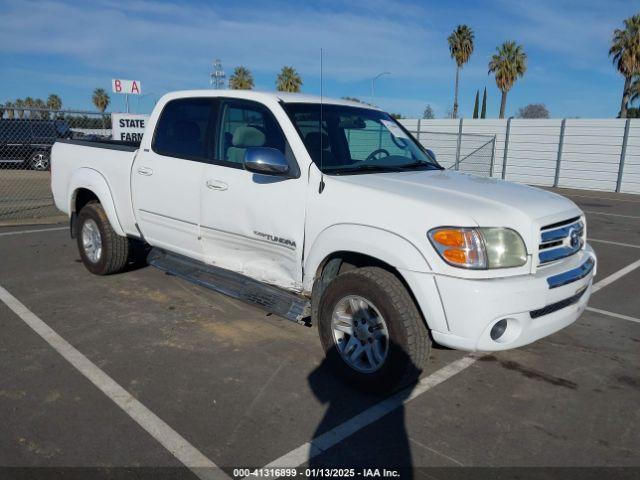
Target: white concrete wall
[[590, 156]]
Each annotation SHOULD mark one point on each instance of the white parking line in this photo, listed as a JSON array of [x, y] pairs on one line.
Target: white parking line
[[620, 244], [337, 434], [322, 443], [22, 232], [615, 276], [180, 448], [610, 214], [614, 315]]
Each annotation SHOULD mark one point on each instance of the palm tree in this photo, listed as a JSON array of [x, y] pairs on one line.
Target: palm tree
[[100, 99], [41, 106], [19, 107], [625, 50], [29, 104], [634, 89], [507, 65], [241, 79], [461, 48], [10, 111], [54, 102], [288, 80]]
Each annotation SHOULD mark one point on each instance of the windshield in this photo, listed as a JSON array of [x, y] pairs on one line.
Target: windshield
[[357, 140]]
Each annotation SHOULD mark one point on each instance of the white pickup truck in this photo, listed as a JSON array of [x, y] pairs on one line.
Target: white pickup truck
[[330, 213]]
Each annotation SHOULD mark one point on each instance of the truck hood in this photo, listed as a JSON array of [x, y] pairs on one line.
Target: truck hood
[[484, 201]]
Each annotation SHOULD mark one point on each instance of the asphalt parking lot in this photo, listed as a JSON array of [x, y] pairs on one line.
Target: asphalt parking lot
[[211, 381]]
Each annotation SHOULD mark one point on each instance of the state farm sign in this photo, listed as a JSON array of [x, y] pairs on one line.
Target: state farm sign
[[129, 87], [128, 127]]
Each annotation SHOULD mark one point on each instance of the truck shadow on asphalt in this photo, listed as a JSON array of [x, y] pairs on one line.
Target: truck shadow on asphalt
[[383, 444]]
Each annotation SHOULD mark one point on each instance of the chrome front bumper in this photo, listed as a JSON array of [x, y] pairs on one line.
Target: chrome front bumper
[[572, 275]]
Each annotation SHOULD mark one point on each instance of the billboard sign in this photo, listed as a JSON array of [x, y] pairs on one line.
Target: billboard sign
[[129, 87], [128, 127]]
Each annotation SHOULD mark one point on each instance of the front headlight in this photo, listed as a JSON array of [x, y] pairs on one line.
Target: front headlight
[[479, 248]]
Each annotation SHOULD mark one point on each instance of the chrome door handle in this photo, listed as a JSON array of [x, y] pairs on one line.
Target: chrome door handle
[[216, 185], [145, 171]]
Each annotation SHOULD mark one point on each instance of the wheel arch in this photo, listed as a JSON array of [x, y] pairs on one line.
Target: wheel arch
[[89, 185], [362, 243]]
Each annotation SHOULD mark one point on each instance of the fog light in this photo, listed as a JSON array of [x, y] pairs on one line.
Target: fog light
[[498, 329]]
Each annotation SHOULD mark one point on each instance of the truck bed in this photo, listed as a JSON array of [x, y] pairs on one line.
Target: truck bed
[[109, 144], [101, 166]]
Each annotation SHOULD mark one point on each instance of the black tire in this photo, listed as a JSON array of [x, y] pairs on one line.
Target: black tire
[[115, 253], [409, 342], [39, 161]]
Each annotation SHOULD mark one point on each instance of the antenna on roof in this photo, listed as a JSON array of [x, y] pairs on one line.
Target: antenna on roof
[[321, 186]]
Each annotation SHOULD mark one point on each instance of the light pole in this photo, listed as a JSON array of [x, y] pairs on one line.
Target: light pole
[[373, 81]]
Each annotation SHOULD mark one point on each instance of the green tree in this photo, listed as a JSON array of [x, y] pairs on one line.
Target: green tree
[[241, 79], [397, 116], [428, 113], [461, 48], [625, 50], [476, 104], [483, 111], [633, 112], [288, 80], [533, 110], [507, 65], [100, 99], [54, 102]]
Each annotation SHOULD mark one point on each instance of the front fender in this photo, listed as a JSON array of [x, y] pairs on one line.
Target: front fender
[[95, 182], [381, 244]]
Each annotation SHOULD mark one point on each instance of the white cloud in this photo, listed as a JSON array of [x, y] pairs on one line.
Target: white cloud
[[176, 42]]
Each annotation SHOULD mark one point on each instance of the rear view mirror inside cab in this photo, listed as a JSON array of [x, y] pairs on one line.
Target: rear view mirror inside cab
[[352, 123]]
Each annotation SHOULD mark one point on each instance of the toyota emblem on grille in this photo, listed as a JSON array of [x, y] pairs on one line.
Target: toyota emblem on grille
[[574, 238]]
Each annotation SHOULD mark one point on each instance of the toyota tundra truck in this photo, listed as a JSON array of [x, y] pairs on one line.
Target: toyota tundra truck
[[329, 212]]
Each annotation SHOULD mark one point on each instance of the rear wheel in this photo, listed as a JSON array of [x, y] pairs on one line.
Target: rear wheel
[[371, 330], [102, 250]]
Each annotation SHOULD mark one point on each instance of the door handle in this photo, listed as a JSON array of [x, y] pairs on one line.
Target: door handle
[[145, 171], [216, 185]]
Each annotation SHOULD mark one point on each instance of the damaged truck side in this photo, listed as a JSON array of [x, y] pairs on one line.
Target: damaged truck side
[[329, 213]]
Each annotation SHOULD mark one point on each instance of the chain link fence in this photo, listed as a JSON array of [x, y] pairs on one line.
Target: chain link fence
[[465, 152], [26, 138], [27, 135]]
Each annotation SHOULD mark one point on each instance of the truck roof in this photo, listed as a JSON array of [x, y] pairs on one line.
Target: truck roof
[[285, 97]]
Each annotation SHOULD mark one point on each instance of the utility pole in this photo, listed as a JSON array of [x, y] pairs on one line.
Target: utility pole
[[217, 76]]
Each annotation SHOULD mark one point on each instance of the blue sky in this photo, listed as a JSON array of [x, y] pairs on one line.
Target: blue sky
[[71, 47]]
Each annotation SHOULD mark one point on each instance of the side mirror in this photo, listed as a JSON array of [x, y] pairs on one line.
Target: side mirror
[[265, 160], [431, 154]]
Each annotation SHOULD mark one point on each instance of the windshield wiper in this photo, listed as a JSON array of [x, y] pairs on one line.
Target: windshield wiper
[[419, 163], [367, 167]]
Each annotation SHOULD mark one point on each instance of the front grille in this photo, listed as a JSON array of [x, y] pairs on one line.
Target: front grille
[[560, 240], [554, 307]]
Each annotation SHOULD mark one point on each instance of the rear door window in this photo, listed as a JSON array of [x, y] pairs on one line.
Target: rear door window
[[183, 129]]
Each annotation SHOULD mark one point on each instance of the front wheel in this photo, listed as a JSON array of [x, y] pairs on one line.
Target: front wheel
[[371, 330]]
